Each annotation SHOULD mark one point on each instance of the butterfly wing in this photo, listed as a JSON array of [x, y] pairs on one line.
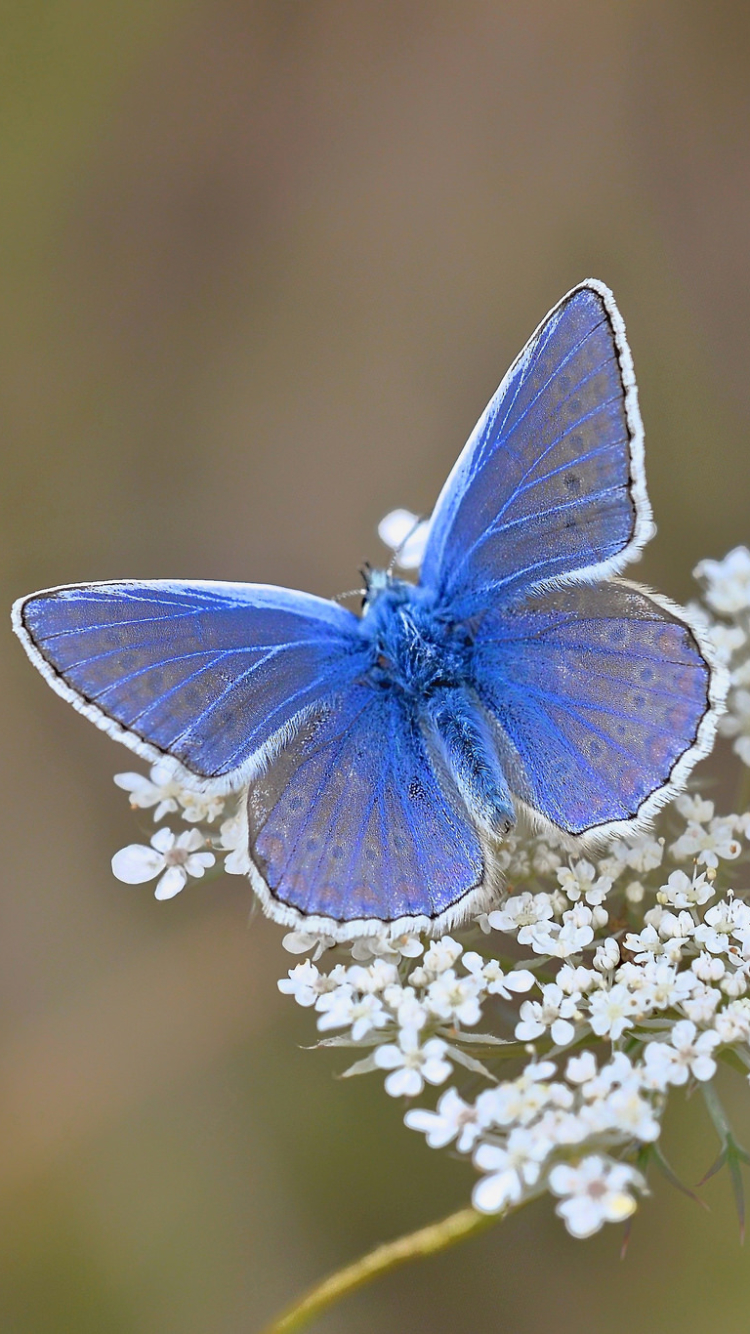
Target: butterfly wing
[[209, 674], [551, 481], [356, 821], [602, 701]]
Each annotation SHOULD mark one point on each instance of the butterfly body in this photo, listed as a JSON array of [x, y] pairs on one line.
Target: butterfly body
[[382, 759]]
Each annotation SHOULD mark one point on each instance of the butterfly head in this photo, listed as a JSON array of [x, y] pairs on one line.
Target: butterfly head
[[381, 583]]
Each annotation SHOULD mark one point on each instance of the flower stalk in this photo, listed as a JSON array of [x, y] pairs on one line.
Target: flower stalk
[[425, 1241]]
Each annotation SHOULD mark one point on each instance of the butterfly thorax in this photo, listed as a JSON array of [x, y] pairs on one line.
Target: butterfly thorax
[[414, 648]]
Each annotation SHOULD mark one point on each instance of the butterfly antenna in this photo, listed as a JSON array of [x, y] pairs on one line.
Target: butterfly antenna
[[352, 593], [394, 558]]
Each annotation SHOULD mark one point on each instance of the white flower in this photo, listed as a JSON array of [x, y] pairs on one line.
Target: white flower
[[727, 581], [635, 892], [302, 983], [576, 982], [685, 1053], [736, 723], [708, 845], [642, 853], [727, 918], [695, 809], [545, 859], [342, 1009], [520, 914], [663, 986], [302, 942], [625, 1110], [701, 1005], [511, 1169], [519, 1100], [453, 1119], [441, 955], [412, 1065], [708, 967], [373, 979], [607, 955], [733, 1023], [177, 856], [160, 789], [552, 1012], [495, 981], [408, 1009], [580, 881], [233, 838], [455, 998], [595, 1192], [683, 893], [581, 1068], [611, 1012], [385, 946], [406, 534]]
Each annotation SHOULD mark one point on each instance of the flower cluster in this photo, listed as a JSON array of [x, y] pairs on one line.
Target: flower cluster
[[596, 986], [727, 593], [607, 990]]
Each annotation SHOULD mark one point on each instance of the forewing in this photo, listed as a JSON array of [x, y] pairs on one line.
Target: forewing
[[353, 822], [551, 481], [206, 673], [602, 698]]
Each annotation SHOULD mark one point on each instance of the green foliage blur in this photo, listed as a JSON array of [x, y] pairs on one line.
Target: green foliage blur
[[262, 265]]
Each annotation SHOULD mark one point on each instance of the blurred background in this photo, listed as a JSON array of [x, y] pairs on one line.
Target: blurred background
[[262, 265]]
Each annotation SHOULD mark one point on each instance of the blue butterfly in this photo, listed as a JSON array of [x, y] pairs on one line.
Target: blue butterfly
[[387, 756]]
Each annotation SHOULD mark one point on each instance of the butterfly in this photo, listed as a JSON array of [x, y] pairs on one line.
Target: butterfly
[[384, 758]]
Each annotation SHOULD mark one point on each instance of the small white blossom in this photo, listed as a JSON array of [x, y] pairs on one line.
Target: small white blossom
[[635, 892], [707, 846], [511, 1169], [554, 1012], [494, 980], [708, 967], [411, 1065], [302, 983], [453, 1119], [342, 1009], [306, 942], [683, 892], [520, 914], [160, 790], [607, 955], [233, 838], [384, 946], [642, 853], [406, 534], [455, 998], [373, 979], [441, 955], [727, 581], [597, 1191], [580, 881], [686, 1053], [173, 857], [733, 1023], [611, 1012], [410, 1012]]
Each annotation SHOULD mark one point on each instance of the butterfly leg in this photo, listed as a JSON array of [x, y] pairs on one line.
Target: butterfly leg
[[468, 750]]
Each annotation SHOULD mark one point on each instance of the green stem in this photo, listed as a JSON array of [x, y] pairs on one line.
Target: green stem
[[426, 1241]]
